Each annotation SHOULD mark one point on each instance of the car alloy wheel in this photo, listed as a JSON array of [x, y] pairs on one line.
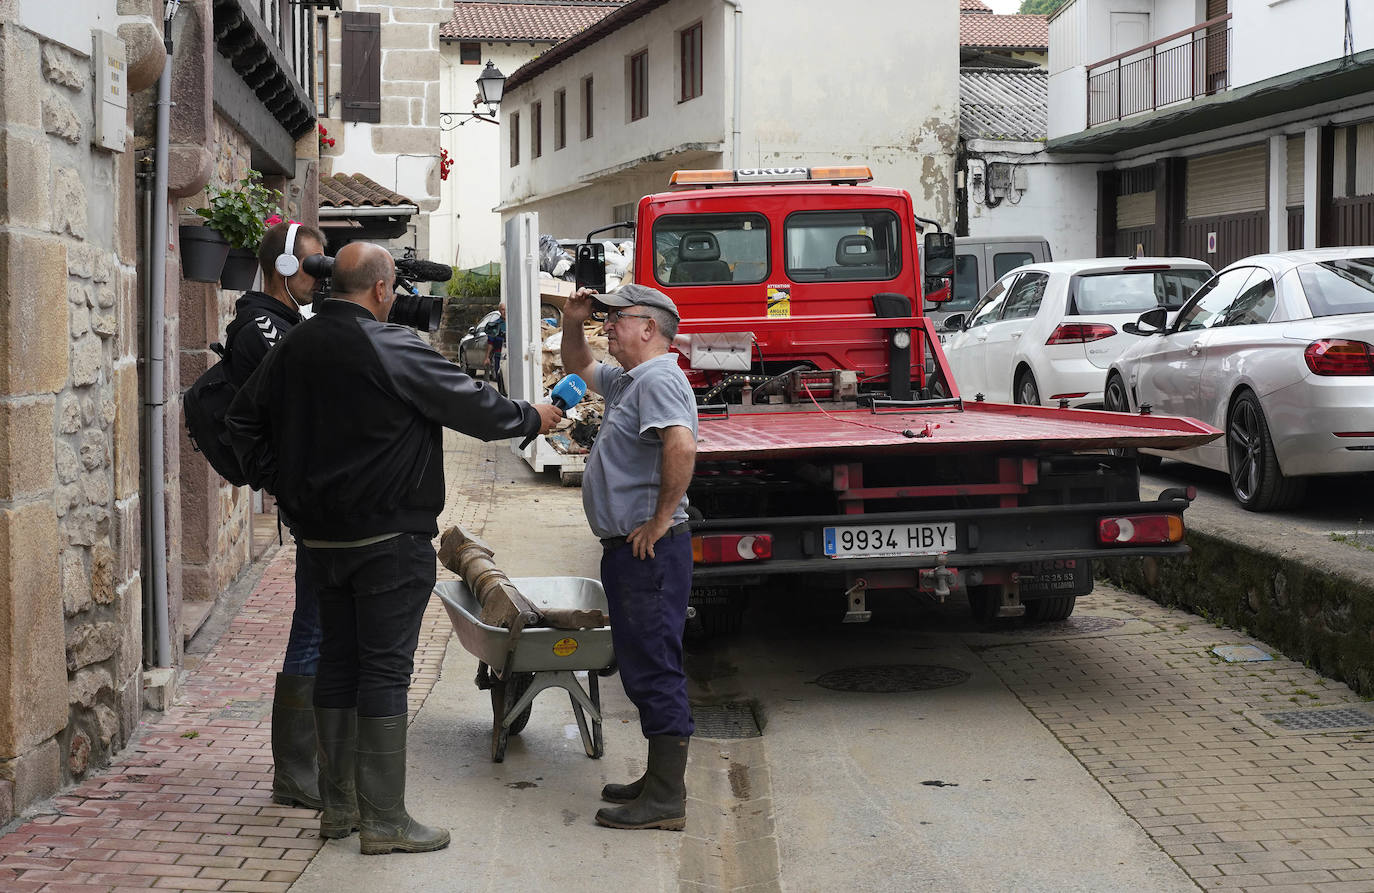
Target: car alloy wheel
[[1256, 480], [1026, 390]]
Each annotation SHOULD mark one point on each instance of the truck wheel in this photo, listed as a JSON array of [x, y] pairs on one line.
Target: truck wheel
[[1045, 610], [1027, 391], [716, 614], [1256, 480]]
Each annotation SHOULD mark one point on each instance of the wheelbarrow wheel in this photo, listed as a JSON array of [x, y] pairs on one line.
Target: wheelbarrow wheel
[[504, 694]]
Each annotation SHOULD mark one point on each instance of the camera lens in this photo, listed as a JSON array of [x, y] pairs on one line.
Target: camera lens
[[420, 312]]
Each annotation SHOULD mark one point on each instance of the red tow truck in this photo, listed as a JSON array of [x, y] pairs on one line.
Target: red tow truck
[[835, 449]]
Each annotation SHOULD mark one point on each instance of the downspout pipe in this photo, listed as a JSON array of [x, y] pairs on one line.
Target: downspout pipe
[[739, 81], [155, 398]]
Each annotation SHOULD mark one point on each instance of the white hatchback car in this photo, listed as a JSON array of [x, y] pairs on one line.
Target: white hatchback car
[[1277, 350], [1047, 332]]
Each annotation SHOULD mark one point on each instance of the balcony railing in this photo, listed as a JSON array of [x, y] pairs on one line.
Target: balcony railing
[[1173, 69]]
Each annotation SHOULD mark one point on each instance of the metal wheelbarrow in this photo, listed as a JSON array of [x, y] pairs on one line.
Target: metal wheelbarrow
[[516, 664]]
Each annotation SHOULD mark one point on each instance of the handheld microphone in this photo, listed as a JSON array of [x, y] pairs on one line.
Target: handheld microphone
[[565, 395]]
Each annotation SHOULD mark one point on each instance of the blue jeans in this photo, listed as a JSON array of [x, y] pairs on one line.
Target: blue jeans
[[372, 602], [647, 600], [303, 643]]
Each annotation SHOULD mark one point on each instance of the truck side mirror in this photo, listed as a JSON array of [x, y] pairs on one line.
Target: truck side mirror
[[589, 267], [939, 254]]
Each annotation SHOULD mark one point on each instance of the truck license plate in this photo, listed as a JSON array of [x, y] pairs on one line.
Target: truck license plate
[[881, 540]]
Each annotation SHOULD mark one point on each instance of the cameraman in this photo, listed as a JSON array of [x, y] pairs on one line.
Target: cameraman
[[261, 318], [359, 468]]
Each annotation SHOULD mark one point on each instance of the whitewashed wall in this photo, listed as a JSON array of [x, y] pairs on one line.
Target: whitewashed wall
[[1279, 36], [1059, 201], [879, 88]]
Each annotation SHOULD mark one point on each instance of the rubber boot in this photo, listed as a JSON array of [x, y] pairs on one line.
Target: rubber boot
[[386, 827], [295, 776], [338, 733], [623, 793], [662, 804]]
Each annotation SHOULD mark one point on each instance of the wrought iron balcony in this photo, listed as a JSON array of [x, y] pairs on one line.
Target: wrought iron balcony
[[1178, 68]]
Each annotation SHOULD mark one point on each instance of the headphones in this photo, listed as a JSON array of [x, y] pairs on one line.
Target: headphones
[[287, 264]]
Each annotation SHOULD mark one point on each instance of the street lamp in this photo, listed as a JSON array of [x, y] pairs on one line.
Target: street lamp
[[491, 85]]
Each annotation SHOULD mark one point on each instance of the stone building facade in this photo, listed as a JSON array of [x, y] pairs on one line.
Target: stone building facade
[[75, 603]]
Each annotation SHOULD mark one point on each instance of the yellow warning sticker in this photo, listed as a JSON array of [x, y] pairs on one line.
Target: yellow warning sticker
[[564, 647], [779, 301]]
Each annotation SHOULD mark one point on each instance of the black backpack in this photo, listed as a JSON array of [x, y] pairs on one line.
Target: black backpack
[[204, 405]]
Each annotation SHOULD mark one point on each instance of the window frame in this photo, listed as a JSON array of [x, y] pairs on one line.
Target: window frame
[[560, 119], [514, 139], [1000, 298], [588, 107], [1183, 318], [699, 221], [1025, 281], [536, 129], [320, 61], [894, 246], [637, 78], [464, 46], [689, 63]]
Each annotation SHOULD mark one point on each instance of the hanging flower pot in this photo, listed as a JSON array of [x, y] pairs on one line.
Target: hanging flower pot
[[203, 251], [240, 269]]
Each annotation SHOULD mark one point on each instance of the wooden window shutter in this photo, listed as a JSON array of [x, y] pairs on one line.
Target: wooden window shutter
[[362, 67]]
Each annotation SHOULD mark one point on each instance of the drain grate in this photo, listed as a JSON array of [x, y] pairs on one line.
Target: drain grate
[[1322, 719], [251, 711], [726, 721], [900, 677]]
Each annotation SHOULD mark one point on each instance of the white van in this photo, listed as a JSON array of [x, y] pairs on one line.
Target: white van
[[979, 261]]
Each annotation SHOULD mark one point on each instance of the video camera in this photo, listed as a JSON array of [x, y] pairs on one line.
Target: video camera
[[420, 312]]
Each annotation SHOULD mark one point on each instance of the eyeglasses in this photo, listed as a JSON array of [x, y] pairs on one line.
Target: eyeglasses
[[612, 317]]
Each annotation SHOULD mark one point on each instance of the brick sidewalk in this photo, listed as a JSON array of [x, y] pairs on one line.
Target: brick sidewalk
[[187, 806]]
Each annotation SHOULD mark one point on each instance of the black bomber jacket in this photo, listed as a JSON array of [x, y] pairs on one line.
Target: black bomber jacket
[[343, 422]]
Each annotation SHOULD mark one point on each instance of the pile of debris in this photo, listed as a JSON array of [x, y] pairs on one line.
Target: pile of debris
[[578, 429]]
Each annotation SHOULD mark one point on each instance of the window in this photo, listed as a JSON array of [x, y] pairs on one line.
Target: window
[[703, 249], [1255, 305], [361, 58], [587, 108], [689, 62], [536, 129], [1336, 287], [321, 64], [1132, 291], [1023, 301], [965, 283], [1005, 261], [560, 119], [514, 139], [1211, 301], [842, 246], [639, 85], [990, 308], [623, 213], [469, 52]]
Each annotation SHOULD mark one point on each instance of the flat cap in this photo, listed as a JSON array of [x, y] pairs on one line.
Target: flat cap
[[632, 294]]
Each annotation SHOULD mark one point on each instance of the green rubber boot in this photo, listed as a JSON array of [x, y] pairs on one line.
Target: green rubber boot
[[386, 826], [295, 775], [662, 803], [623, 793], [338, 733]]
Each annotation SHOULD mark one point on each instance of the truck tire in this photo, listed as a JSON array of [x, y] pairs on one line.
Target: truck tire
[[1046, 610], [1256, 479], [983, 602], [1027, 391], [716, 615]]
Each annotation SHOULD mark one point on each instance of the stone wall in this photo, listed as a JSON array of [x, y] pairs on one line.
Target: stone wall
[[70, 581]]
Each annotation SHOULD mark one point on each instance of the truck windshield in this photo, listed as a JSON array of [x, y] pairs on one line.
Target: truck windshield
[[1133, 291], [710, 249], [842, 246]]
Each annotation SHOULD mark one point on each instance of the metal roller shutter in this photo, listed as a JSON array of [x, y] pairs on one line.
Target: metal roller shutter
[[1297, 145], [1134, 211], [1227, 183]]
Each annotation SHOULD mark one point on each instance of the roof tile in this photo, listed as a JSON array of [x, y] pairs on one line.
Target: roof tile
[[358, 190], [974, 6], [1003, 103], [474, 20], [1018, 32]]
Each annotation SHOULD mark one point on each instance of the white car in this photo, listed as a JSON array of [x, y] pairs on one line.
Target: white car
[[1047, 332], [1277, 350]]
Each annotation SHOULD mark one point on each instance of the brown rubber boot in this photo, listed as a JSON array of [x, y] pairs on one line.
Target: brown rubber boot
[[662, 803], [338, 734], [295, 777], [623, 793], [386, 826]]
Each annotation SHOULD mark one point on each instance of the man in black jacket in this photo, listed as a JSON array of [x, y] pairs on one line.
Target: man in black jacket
[[358, 466], [261, 318]]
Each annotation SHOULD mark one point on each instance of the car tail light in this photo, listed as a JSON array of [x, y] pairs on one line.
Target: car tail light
[[725, 548], [1336, 356], [1080, 332], [1140, 530]]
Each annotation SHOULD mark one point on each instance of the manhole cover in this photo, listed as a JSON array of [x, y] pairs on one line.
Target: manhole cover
[[1084, 624], [902, 677], [726, 721], [253, 711], [1324, 719]]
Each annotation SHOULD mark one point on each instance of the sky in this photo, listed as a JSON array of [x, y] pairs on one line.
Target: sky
[[1004, 7]]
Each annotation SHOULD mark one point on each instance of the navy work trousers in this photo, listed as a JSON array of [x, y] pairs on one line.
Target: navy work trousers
[[303, 643], [647, 600], [372, 601]]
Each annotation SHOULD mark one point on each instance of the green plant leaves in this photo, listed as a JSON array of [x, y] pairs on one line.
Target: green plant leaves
[[238, 212]]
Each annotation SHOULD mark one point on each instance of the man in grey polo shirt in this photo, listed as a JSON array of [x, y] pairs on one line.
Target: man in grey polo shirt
[[634, 492]]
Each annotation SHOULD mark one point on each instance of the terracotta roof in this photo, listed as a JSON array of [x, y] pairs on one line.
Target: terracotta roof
[[974, 6], [618, 18], [1014, 32], [359, 191], [1003, 103], [524, 21]]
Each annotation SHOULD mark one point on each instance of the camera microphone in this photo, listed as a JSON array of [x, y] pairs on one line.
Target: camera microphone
[[424, 270], [565, 395]]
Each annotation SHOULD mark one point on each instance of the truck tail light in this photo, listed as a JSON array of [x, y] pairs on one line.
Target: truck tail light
[[1337, 356], [1140, 530], [727, 548], [1080, 332]]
